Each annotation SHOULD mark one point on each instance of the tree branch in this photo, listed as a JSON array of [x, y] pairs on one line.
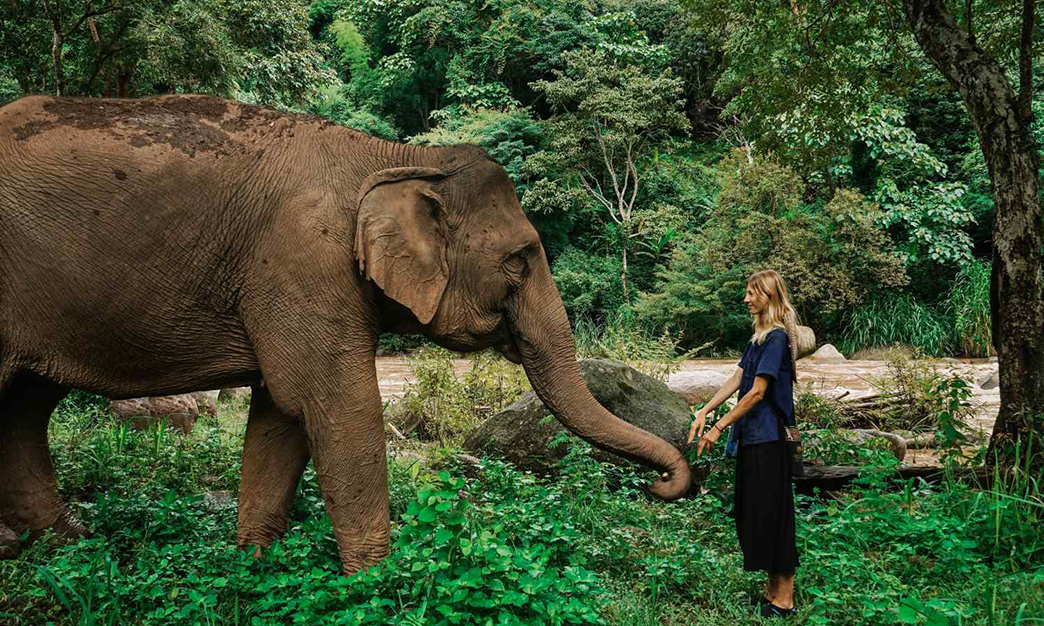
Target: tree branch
[[597, 194], [968, 19], [88, 15], [608, 165], [54, 14], [634, 174], [1026, 61]]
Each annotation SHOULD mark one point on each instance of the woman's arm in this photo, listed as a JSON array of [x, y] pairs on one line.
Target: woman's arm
[[746, 403], [723, 394], [730, 387]]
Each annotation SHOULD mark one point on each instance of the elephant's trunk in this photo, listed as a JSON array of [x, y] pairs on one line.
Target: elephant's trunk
[[545, 341]]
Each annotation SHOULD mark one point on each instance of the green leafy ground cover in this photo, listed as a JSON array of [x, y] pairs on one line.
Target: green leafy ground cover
[[504, 547]]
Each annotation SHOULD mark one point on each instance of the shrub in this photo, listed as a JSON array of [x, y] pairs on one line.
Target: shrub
[[508, 136], [333, 103], [590, 285], [623, 338], [441, 406]]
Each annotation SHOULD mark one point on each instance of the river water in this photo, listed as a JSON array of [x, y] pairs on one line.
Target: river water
[[831, 379]]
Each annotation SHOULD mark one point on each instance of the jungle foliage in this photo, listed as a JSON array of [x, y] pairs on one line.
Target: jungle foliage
[[499, 546], [661, 155]]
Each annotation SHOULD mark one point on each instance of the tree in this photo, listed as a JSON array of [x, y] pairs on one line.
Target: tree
[[1002, 121], [613, 115], [140, 47], [810, 65]]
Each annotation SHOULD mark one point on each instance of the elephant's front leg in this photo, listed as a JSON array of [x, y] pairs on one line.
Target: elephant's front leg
[[346, 437], [332, 389], [274, 457]]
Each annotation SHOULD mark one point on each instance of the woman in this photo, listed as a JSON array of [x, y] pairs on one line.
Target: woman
[[763, 496]]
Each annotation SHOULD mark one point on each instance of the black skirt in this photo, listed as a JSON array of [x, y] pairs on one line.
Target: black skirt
[[765, 508]]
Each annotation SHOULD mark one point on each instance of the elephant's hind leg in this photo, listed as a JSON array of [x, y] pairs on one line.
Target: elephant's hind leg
[[274, 457], [29, 497]]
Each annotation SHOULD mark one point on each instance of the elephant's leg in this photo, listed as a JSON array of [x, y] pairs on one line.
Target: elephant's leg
[[346, 435], [29, 497], [322, 372], [274, 457]]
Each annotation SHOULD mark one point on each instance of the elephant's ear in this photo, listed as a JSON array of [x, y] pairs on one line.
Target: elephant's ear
[[399, 240]]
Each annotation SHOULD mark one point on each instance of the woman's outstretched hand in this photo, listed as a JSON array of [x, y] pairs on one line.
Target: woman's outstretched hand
[[708, 440], [697, 426]]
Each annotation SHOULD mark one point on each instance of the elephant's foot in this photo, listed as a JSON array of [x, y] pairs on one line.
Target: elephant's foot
[[38, 517], [9, 545], [29, 497], [257, 529], [356, 556], [68, 526]]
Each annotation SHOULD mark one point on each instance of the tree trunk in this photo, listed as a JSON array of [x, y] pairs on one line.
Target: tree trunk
[[623, 274], [54, 14], [123, 83], [1002, 122]]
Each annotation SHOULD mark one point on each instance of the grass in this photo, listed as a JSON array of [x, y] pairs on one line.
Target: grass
[[504, 547], [959, 326]]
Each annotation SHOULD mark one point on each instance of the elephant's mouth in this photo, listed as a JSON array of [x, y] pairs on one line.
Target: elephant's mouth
[[510, 350]]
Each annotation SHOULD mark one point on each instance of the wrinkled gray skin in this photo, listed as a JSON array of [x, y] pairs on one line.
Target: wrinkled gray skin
[[173, 244]]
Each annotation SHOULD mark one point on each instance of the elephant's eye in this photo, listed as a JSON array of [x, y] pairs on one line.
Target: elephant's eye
[[517, 265]]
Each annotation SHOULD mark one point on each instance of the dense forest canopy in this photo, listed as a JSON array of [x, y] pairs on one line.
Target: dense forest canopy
[[663, 148]]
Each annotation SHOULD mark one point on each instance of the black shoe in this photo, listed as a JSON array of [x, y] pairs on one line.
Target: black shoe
[[760, 600], [771, 610]]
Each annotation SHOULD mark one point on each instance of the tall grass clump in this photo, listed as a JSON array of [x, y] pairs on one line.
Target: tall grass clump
[[890, 321], [624, 338], [968, 307], [959, 325]]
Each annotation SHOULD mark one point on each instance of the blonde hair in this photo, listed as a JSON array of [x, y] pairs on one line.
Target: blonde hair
[[778, 314]]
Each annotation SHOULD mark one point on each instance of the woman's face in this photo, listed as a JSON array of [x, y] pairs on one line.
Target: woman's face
[[755, 301]]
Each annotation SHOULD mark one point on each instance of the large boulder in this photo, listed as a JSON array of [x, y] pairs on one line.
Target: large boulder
[[521, 434], [234, 394], [827, 354], [806, 341], [207, 400], [180, 410], [992, 381], [696, 387]]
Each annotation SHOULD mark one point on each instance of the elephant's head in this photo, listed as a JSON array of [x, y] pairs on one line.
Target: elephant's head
[[449, 244]]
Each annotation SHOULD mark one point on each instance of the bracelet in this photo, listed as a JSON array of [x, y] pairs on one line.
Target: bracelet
[[715, 426]]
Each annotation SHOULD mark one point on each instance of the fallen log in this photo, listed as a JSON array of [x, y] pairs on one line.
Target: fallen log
[[835, 477], [899, 445]]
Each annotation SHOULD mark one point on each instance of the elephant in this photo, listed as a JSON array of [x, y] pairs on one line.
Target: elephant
[[176, 243]]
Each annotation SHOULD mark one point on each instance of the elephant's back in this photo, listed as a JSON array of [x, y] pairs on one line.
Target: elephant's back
[[186, 125]]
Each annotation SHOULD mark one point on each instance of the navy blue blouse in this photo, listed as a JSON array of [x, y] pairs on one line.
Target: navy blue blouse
[[772, 360]]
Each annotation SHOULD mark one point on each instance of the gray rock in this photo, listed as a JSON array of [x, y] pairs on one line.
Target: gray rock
[[180, 410], [207, 400], [9, 546], [806, 341], [990, 382], [218, 500], [827, 354], [521, 433], [696, 387], [234, 393]]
